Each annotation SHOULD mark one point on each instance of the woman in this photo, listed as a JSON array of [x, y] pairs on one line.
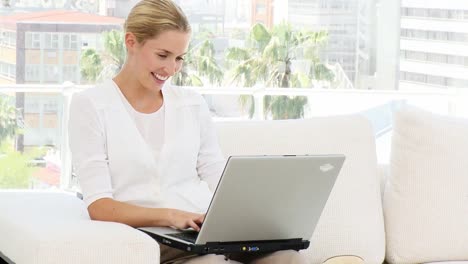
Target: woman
[[145, 153]]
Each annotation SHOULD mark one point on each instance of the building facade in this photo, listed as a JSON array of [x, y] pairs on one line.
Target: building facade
[[262, 12], [45, 48], [351, 26], [434, 44]]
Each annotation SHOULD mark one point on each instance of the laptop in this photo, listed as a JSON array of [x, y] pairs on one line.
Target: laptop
[[261, 204]]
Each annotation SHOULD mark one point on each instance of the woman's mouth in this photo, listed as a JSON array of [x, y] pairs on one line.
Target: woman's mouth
[[160, 78]]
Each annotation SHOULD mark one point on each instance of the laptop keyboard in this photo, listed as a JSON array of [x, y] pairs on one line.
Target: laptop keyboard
[[189, 235]]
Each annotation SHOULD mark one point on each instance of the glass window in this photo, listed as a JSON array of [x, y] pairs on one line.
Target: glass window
[[32, 73], [8, 38], [350, 55], [51, 73], [436, 80], [459, 60], [51, 40], [416, 55], [8, 70], [457, 83], [420, 12], [459, 37], [70, 73], [36, 41], [74, 41], [455, 14], [66, 41], [439, 58], [261, 9]]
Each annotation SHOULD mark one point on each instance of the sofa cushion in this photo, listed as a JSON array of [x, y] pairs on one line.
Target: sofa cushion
[[352, 222], [448, 262], [51, 227], [426, 196]]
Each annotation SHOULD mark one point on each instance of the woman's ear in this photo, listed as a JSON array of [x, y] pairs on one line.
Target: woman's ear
[[131, 42]]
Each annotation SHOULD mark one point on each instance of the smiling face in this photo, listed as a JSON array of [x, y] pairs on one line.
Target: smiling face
[[155, 60]]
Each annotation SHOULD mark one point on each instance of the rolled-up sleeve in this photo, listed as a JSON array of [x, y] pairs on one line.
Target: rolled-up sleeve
[[88, 148], [210, 163]]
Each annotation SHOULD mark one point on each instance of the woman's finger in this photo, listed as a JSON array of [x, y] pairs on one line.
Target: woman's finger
[[200, 219], [193, 225]]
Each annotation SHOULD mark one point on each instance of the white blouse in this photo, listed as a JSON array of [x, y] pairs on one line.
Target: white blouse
[[150, 126], [113, 160]]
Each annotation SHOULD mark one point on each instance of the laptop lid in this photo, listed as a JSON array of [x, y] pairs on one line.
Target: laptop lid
[[270, 197]]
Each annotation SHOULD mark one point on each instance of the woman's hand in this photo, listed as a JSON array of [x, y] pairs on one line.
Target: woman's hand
[[183, 220]]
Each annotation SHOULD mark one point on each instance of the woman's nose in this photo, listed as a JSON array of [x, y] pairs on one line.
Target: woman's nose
[[170, 68]]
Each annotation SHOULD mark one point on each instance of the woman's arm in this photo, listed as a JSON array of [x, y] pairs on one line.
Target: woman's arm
[[90, 161], [210, 163], [107, 209]]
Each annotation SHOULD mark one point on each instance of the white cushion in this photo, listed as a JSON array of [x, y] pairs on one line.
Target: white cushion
[[426, 196], [352, 222], [49, 227], [448, 262]]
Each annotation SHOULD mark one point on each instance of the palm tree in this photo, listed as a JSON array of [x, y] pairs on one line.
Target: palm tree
[[91, 65], [9, 124], [200, 66], [95, 66], [185, 77], [267, 60], [114, 53]]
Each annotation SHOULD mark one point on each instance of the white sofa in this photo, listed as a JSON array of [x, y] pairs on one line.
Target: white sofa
[[54, 227]]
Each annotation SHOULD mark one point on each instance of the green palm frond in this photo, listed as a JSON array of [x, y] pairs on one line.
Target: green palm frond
[[90, 65], [99, 66], [259, 36], [9, 119], [267, 60], [200, 64], [237, 54], [115, 47]]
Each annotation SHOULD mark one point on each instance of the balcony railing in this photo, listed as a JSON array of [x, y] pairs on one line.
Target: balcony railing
[[377, 105]]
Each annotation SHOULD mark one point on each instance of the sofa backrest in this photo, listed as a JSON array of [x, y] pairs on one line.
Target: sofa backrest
[[352, 222]]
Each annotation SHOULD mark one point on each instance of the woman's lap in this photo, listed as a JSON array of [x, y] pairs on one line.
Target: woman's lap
[[174, 256]]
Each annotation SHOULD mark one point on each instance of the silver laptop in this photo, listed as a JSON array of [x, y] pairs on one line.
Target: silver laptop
[[261, 204]]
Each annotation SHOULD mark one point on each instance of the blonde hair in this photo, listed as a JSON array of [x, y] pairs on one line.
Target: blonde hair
[[149, 18]]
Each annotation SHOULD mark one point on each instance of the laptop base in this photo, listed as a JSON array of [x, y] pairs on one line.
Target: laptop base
[[223, 248]]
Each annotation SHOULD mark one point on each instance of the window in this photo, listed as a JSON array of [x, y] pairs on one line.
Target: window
[[51, 73], [70, 73], [51, 40], [261, 9], [352, 50], [438, 58], [50, 105], [434, 35], [415, 55], [437, 80], [70, 41], [33, 40], [459, 37], [435, 13], [7, 70], [32, 73], [457, 83], [8, 38], [414, 77]]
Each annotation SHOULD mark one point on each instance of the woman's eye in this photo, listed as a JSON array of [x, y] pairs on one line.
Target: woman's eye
[[180, 58], [162, 55]]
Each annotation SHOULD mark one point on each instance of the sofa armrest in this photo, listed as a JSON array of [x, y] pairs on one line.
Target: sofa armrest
[[51, 227]]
